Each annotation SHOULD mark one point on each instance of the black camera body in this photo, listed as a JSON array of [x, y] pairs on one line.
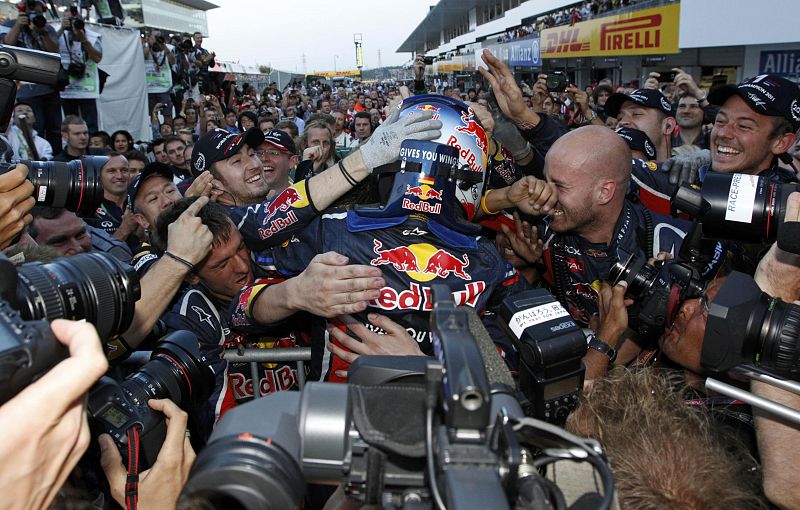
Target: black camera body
[[29, 8], [28, 350], [177, 370], [556, 82], [72, 288], [551, 347], [657, 292]]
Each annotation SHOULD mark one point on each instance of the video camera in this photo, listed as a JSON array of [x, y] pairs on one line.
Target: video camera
[[404, 432], [745, 325], [92, 286]]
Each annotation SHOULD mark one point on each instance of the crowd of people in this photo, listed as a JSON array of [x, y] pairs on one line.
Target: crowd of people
[[581, 11], [251, 221]]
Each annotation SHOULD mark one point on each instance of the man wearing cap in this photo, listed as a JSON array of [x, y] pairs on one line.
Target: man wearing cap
[[754, 128], [278, 155], [647, 110], [149, 194], [268, 221]]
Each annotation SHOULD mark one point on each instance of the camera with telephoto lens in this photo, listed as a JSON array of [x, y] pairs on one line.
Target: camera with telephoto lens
[[75, 22], [74, 186], [551, 347], [177, 370], [71, 288], [739, 207], [657, 291], [404, 432], [29, 8], [745, 325], [556, 82]]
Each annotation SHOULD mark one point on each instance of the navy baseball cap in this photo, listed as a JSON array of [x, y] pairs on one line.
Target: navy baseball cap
[[638, 141], [766, 94], [219, 145], [148, 171], [280, 140], [649, 98]]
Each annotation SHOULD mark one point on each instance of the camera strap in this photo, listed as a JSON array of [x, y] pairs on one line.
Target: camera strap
[[132, 482]]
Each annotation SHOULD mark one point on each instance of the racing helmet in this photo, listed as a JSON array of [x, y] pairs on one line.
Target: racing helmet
[[440, 176]]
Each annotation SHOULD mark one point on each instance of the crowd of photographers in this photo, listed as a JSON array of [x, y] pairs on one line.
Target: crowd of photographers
[[247, 223]]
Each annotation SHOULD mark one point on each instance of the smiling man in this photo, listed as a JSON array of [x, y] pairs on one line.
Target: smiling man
[[232, 161], [756, 123], [278, 155]]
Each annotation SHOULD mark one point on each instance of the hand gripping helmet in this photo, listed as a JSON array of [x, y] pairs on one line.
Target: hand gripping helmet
[[434, 177]]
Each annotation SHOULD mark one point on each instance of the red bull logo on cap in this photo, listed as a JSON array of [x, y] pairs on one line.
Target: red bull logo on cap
[[436, 262]]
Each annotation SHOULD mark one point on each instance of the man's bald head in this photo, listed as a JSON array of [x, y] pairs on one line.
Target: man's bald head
[[589, 169], [595, 151]]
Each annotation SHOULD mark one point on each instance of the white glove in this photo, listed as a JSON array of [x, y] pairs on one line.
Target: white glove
[[383, 147]]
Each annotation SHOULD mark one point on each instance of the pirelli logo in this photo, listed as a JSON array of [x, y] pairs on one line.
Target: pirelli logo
[[631, 34]]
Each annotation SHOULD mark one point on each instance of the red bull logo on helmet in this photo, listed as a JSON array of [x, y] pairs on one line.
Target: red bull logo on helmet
[[427, 108], [423, 192], [422, 262], [472, 128]]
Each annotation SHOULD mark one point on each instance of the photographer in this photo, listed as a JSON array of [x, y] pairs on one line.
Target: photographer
[[778, 275], [23, 138], [30, 30], [158, 62], [81, 50], [45, 426], [201, 59]]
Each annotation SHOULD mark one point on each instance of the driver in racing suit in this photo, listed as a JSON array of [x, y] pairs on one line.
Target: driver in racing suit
[[420, 236]]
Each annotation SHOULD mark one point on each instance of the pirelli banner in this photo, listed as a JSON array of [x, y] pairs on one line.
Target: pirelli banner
[[645, 32]]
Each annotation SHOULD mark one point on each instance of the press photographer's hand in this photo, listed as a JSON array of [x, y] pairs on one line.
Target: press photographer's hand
[[16, 200], [45, 430], [160, 485]]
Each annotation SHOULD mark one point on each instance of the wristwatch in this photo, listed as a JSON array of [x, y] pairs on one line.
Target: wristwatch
[[599, 345]]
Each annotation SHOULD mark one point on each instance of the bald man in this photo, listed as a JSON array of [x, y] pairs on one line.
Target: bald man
[[590, 168]]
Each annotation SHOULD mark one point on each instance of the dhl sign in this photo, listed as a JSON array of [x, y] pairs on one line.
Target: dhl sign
[[334, 74], [645, 32]]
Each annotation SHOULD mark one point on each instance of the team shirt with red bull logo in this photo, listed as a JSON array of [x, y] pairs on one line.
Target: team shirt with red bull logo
[[413, 255]]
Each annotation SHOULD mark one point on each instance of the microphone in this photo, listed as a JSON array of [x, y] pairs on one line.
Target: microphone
[[496, 370], [502, 386]]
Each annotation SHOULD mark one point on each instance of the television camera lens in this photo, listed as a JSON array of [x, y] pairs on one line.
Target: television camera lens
[[746, 325]]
